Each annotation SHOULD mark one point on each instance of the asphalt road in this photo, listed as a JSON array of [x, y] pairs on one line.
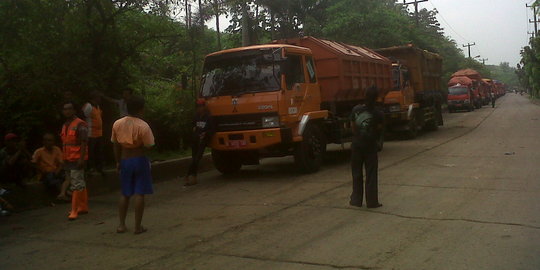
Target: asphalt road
[[464, 197]]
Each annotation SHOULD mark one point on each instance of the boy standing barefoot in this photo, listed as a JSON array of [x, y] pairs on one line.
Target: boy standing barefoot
[[131, 136]]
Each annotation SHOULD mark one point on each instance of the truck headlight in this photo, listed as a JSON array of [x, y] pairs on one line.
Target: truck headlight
[[395, 108], [466, 101], [270, 121]]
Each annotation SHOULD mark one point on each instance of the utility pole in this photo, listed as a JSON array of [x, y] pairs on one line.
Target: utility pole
[[531, 33], [484, 60], [415, 3], [469, 47], [533, 6]]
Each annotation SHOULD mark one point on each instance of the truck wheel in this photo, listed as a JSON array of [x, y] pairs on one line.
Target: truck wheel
[[469, 109], [308, 154], [225, 162], [412, 126]]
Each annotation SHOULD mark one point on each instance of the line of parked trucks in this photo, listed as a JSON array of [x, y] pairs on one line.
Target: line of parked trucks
[[294, 96], [467, 90]]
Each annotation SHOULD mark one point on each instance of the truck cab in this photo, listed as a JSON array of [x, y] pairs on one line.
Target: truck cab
[[460, 97], [259, 97]]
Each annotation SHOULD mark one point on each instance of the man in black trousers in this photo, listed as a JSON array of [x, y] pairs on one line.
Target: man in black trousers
[[367, 124]]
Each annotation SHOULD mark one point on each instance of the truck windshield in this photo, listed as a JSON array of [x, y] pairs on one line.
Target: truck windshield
[[457, 91], [242, 72]]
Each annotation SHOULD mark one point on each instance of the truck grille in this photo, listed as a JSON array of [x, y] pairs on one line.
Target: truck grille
[[240, 122]]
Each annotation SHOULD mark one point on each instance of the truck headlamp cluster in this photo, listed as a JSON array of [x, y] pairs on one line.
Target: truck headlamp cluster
[[394, 108], [270, 121], [467, 101]]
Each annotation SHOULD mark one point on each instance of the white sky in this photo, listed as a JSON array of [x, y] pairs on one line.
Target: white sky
[[498, 27]]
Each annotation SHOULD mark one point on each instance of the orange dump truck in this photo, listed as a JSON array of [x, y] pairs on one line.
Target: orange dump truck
[[292, 97], [416, 97]]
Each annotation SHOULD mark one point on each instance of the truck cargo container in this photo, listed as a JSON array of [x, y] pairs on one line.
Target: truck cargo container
[[416, 96], [288, 98]]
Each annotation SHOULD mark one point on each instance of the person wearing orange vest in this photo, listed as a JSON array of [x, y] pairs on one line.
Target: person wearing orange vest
[[75, 153], [92, 113]]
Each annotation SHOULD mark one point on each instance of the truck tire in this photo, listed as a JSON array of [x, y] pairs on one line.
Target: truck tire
[[225, 162], [308, 154], [412, 128], [438, 112]]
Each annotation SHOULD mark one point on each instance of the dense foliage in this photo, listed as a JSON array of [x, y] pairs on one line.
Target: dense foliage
[[157, 48], [528, 70]]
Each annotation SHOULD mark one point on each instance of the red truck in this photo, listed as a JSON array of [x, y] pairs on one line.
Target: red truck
[[476, 94], [460, 94]]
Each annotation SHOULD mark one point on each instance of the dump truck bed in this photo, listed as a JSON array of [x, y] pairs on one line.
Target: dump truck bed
[[346, 71], [425, 68]]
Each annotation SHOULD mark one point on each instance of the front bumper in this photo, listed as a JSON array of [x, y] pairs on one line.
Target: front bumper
[[250, 139]]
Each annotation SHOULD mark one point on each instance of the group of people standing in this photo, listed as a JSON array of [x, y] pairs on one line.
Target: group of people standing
[[82, 140]]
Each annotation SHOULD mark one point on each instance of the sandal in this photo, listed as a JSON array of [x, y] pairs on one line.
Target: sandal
[[121, 230]]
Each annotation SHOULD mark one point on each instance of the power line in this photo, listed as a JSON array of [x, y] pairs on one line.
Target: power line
[[448, 24], [454, 30]]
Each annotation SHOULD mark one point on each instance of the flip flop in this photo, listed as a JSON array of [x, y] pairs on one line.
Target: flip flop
[[119, 230], [142, 230]]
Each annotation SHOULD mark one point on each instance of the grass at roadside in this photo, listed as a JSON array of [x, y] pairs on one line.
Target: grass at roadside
[[156, 155]]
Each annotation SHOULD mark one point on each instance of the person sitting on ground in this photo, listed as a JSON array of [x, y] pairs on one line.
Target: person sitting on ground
[[131, 136], [203, 130], [49, 162], [4, 204], [14, 160]]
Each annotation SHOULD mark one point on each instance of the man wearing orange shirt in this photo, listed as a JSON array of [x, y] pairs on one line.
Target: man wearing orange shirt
[[48, 160], [131, 136], [92, 113], [74, 144]]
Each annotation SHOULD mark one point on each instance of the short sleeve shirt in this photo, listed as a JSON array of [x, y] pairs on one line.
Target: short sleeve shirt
[[48, 161], [132, 132]]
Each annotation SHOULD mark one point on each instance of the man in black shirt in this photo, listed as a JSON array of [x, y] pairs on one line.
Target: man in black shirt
[[367, 123], [202, 133]]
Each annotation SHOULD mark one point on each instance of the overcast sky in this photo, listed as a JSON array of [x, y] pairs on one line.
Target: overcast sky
[[498, 27]]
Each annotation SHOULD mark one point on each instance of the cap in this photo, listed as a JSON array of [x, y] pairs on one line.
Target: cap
[[10, 136]]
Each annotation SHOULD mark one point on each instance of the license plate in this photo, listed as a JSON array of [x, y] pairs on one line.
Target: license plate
[[237, 143]]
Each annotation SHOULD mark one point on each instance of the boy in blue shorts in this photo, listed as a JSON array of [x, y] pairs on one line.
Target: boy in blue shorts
[[131, 136]]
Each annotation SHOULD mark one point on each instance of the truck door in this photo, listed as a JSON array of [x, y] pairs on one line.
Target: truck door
[[293, 95]]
